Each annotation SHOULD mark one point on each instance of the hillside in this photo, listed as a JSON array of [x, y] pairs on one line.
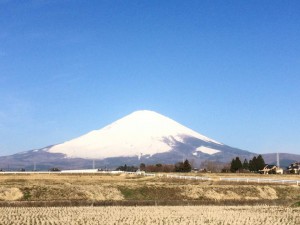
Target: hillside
[[285, 159]]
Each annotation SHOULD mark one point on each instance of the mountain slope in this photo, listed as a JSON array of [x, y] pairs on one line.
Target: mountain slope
[[143, 136], [140, 133]]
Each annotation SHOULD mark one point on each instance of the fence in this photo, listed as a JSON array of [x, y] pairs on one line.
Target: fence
[[259, 180], [29, 172], [171, 176], [187, 177]]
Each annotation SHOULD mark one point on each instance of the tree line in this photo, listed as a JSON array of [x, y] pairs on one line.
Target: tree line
[[254, 165], [183, 167]]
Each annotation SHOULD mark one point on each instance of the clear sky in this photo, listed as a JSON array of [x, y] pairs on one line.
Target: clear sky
[[229, 70]]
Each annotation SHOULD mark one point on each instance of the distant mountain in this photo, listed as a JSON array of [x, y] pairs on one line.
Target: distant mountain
[[143, 136], [285, 159], [140, 133]]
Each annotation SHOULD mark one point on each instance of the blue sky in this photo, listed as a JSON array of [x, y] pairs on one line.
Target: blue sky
[[227, 69]]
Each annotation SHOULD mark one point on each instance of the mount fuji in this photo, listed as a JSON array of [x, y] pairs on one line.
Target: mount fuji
[[140, 133], [142, 136]]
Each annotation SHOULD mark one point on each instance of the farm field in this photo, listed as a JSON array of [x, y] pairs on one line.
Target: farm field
[[131, 199], [164, 215], [87, 189]]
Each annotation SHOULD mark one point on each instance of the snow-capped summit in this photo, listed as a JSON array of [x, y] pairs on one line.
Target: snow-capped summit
[[140, 133], [142, 136]]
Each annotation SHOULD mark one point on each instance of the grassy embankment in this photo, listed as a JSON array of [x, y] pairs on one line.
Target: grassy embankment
[[101, 189]]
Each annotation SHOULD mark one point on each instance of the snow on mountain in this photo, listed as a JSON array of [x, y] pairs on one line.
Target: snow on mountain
[[140, 133], [207, 150]]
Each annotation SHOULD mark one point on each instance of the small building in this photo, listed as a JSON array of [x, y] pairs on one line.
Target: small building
[[294, 168], [140, 172], [271, 169]]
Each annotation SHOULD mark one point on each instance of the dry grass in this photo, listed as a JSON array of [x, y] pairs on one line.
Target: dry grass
[[10, 194], [169, 215], [102, 187], [254, 175]]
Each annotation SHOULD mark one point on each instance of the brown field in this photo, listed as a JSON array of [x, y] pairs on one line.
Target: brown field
[[132, 199], [164, 215], [121, 189], [255, 175]]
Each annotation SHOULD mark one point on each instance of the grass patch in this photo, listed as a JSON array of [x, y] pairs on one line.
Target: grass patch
[[127, 192], [150, 193], [26, 194], [297, 204]]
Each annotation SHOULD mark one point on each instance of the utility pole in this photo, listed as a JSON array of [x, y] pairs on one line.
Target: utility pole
[[93, 163], [278, 163], [199, 161]]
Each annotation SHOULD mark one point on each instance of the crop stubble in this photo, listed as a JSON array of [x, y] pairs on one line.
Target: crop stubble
[[148, 215]]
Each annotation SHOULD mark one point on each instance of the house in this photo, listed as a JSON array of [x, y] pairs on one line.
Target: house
[[294, 168], [271, 169]]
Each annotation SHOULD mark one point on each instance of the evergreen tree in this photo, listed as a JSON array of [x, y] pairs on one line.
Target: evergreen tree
[[236, 165], [238, 162], [127, 168], [142, 166], [187, 166], [254, 164], [251, 165], [232, 166], [257, 163], [245, 165], [260, 164], [183, 167]]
